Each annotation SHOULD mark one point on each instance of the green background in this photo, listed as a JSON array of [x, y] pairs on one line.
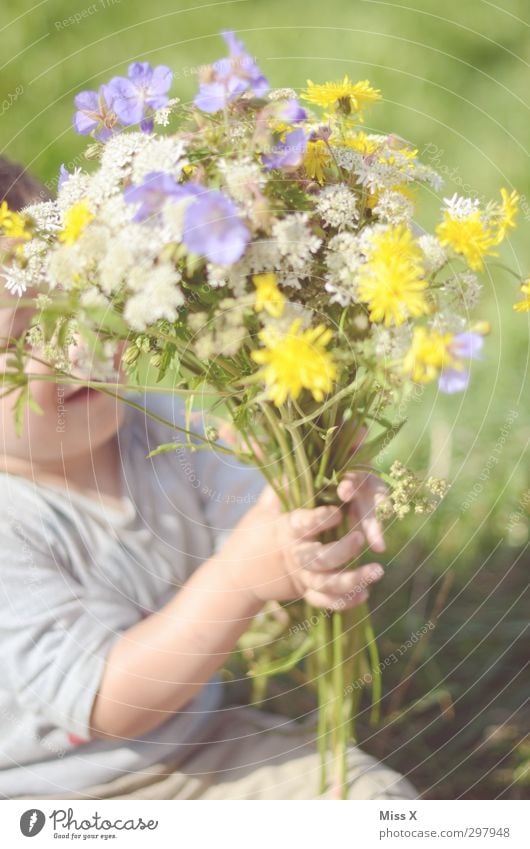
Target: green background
[[455, 79]]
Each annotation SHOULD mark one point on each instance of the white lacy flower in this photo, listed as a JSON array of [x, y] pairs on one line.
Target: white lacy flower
[[337, 206], [463, 288], [35, 269], [434, 254], [92, 297], [125, 251], [15, 279], [426, 174], [295, 242], [118, 154], [241, 178], [392, 342], [448, 321], [116, 213], [94, 242], [63, 266], [234, 277], [343, 258], [46, 215], [163, 153], [394, 208], [73, 190], [460, 207], [156, 295], [262, 255], [282, 94], [161, 116]]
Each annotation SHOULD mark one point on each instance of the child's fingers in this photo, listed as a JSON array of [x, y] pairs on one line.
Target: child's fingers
[[363, 493], [335, 602], [319, 557], [306, 524], [342, 582]]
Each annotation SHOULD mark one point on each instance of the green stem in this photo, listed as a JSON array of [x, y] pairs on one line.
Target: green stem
[[338, 686], [373, 654], [290, 467]]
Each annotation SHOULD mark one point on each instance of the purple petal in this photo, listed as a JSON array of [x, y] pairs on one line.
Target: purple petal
[[125, 101], [147, 125], [236, 47], [83, 124], [152, 193], [64, 176], [87, 101], [211, 97], [288, 153], [140, 73], [212, 228], [291, 112], [467, 345], [161, 80], [453, 380]]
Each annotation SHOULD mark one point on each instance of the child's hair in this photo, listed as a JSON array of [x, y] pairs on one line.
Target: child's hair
[[18, 187]]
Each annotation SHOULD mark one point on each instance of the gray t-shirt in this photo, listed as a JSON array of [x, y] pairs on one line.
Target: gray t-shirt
[[75, 574]]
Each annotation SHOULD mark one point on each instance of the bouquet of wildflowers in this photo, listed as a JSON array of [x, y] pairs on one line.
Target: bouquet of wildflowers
[[262, 247]]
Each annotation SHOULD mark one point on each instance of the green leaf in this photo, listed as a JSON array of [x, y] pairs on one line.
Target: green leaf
[[368, 450], [166, 446], [284, 664]]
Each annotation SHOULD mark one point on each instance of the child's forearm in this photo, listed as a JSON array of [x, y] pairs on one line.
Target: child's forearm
[[159, 664]]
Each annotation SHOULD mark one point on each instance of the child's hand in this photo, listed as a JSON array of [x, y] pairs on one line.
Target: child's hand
[[277, 556]]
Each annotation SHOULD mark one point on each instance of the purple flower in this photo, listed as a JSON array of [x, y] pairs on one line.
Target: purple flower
[[95, 113], [144, 89], [64, 176], [287, 153], [290, 111], [225, 87], [463, 346], [213, 228], [156, 188], [227, 79], [244, 65]]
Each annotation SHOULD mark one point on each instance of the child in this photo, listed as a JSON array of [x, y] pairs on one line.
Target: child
[[125, 583]]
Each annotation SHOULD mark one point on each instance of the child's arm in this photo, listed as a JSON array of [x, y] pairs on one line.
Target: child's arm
[[159, 664]]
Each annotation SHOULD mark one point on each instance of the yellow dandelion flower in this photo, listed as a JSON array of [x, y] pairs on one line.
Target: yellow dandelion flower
[[295, 361], [507, 210], [471, 237], [13, 224], [524, 305], [392, 281], [428, 354], [342, 96], [75, 220], [359, 142], [316, 158], [268, 296]]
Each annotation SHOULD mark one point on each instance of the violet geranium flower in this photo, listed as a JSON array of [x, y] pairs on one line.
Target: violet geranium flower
[[144, 90], [464, 346], [287, 153], [228, 78], [155, 189], [95, 113], [213, 228]]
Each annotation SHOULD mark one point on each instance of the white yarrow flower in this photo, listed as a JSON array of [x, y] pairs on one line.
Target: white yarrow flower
[[163, 153], [337, 206], [460, 207], [434, 254], [157, 294]]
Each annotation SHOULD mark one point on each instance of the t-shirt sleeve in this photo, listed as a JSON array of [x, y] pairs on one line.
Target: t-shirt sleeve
[[226, 488], [55, 633]]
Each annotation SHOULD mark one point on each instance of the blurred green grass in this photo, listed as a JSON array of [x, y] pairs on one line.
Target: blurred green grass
[[455, 80]]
